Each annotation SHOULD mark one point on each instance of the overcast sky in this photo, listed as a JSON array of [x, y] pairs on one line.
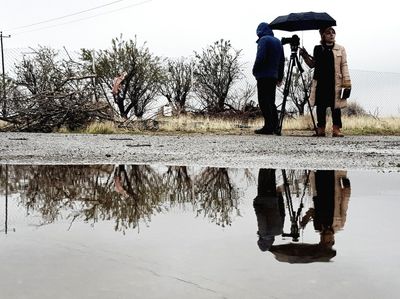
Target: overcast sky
[[173, 28]]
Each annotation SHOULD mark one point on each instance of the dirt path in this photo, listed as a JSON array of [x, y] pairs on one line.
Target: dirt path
[[238, 151]]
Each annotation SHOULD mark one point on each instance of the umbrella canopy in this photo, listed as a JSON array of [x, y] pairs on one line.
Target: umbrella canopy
[[302, 253], [303, 21]]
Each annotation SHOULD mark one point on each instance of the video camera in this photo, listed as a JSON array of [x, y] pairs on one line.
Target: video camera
[[294, 42]]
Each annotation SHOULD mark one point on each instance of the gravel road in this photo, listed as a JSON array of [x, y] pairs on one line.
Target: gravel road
[[237, 151]]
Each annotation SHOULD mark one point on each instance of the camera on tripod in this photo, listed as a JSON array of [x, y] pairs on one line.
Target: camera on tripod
[[298, 22], [294, 42]]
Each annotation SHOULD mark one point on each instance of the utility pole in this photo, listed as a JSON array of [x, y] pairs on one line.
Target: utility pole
[[4, 95]]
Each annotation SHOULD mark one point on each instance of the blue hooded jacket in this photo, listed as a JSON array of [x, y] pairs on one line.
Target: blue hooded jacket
[[270, 59]]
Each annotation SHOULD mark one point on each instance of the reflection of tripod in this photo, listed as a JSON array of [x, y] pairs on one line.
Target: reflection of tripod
[[294, 216], [294, 60]]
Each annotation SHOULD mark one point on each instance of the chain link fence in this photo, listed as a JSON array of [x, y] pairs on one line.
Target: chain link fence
[[376, 92]]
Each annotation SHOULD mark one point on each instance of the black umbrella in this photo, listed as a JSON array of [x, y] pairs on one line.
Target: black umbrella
[[303, 21], [302, 253]]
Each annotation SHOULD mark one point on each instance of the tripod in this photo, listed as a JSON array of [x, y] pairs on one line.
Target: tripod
[[294, 215], [294, 60]]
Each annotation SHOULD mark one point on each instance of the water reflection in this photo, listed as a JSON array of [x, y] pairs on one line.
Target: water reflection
[[269, 209], [127, 231], [330, 195], [126, 194], [131, 194]]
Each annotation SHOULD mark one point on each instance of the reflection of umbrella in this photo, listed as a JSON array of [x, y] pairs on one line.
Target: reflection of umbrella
[[295, 253], [303, 21]]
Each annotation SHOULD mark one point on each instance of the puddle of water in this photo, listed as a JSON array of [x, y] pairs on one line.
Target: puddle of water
[[141, 231]]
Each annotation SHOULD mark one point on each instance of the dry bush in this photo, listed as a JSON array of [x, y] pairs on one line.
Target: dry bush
[[50, 93], [354, 109]]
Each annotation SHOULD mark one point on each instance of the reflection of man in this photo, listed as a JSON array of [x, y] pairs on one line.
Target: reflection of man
[[269, 208], [331, 194]]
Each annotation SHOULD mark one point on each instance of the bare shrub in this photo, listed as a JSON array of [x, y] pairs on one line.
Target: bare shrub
[[139, 73], [50, 93], [216, 69], [354, 109], [177, 83]]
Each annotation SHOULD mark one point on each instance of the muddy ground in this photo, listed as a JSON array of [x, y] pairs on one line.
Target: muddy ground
[[238, 151]]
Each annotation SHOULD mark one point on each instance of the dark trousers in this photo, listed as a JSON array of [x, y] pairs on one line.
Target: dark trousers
[[324, 201], [266, 182], [321, 116], [266, 90]]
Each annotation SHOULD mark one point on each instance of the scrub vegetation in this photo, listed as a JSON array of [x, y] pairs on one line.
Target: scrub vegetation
[[120, 90]]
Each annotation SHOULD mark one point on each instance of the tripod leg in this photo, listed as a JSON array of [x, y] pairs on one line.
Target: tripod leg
[[281, 115], [285, 93], [294, 227], [312, 116], [306, 94]]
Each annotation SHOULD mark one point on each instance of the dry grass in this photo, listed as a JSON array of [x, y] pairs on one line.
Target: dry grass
[[370, 125], [102, 128], [352, 125], [200, 124]]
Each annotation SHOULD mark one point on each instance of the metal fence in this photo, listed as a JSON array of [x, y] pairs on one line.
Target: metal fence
[[377, 92]]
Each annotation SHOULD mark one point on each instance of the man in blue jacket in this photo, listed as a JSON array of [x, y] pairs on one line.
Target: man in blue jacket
[[269, 208], [268, 70]]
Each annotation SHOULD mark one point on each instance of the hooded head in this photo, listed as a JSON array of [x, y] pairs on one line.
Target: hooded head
[[265, 243], [263, 29]]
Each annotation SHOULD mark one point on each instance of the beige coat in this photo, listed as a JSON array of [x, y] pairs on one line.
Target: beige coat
[[342, 77], [341, 196]]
